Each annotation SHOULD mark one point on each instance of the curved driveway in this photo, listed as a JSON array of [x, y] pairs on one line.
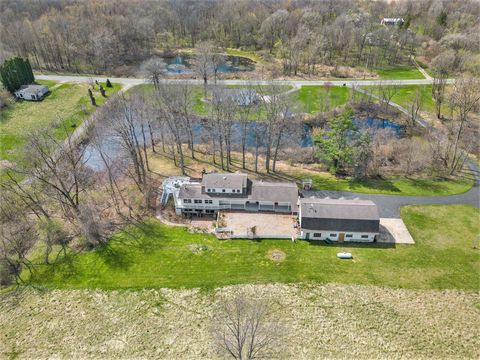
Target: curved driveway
[[389, 205]]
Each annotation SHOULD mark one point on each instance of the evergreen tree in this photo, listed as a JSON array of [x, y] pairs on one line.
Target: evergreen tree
[[92, 98], [109, 84], [336, 144], [16, 72]]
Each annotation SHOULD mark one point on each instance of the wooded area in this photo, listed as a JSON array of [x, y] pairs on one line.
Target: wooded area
[[99, 36]]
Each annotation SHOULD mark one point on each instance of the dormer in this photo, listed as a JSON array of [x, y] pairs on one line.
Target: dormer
[[224, 184]]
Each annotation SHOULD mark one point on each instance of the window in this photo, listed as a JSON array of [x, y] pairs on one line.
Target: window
[[364, 236], [187, 201], [223, 190], [349, 235], [197, 201], [208, 201], [213, 190], [317, 234], [333, 235]]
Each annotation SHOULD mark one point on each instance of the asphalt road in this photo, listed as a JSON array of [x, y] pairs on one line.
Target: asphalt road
[[129, 82]]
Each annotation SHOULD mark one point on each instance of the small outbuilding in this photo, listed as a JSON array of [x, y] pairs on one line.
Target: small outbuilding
[[338, 220], [32, 92], [392, 21], [238, 96]]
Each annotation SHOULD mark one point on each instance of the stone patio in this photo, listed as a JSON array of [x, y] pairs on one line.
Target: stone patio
[[254, 225]]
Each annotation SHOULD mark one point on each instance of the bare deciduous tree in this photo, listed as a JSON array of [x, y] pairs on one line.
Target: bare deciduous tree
[[415, 108], [386, 92], [153, 68], [246, 329], [203, 62], [438, 93], [464, 99]]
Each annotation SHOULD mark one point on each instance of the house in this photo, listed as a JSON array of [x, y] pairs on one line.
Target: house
[[32, 92], [235, 192], [392, 21], [338, 220], [238, 96]]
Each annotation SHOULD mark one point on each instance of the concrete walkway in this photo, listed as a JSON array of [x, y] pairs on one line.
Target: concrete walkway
[[394, 231], [422, 70]]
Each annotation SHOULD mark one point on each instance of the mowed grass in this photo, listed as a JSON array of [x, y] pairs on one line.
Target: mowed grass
[[312, 99], [405, 94], [393, 186], [161, 256], [64, 108], [399, 73], [201, 105], [252, 55]]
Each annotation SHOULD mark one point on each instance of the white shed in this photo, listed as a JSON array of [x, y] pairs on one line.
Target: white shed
[[32, 92]]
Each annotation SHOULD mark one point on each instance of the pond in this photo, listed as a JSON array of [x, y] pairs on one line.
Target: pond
[[371, 124], [298, 135], [181, 64]]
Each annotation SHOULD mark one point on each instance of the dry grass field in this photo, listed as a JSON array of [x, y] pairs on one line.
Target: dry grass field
[[321, 321]]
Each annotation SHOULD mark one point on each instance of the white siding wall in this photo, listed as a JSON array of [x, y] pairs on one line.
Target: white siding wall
[[220, 191], [326, 234]]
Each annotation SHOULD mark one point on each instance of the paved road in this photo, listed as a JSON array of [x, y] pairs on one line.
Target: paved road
[[389, 205], [129, 82]]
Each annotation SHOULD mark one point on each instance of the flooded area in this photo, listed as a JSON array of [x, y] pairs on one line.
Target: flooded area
[[182, 64], [297, 135]]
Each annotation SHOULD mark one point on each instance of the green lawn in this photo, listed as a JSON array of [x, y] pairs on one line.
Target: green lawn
[[49, 83], [66, 106], [160, 256], [312, 99], [399, 73], [203, 108], [405, 94], [393, 186], [252, 55]]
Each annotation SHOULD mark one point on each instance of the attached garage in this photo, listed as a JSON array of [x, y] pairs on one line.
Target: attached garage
[[338, 220]]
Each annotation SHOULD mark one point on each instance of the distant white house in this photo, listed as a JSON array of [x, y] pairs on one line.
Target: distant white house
[[242, 97], [32, 92], [392, 21]]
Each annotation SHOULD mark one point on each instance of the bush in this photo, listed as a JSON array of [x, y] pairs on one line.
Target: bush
[[6, 273], [5, 98]]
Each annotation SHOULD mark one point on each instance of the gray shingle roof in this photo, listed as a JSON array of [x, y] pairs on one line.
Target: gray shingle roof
[[32, 89], [226, 181], [257, 191], [339, 215]]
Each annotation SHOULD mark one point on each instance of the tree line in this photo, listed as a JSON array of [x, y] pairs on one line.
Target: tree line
[[101, 36]]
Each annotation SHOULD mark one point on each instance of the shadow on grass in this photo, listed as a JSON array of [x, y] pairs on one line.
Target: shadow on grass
[[352, 245], [374, 184], [144, 238]]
